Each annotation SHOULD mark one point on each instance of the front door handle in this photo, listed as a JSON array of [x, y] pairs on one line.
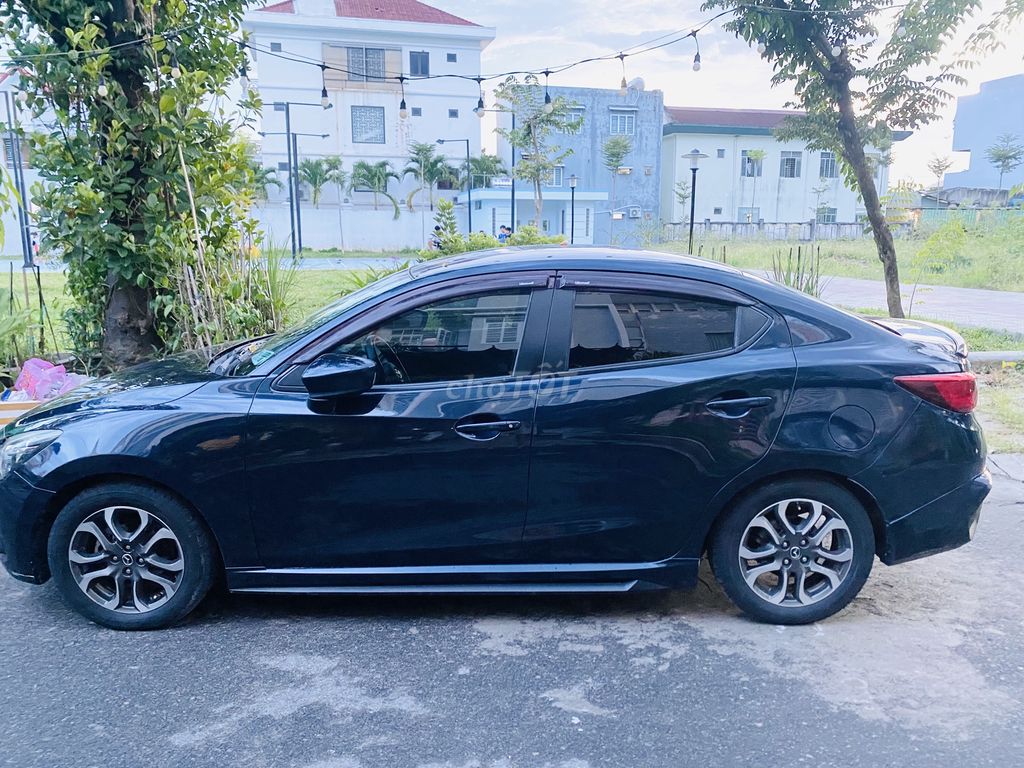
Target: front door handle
[[485, 430], [736, 408]]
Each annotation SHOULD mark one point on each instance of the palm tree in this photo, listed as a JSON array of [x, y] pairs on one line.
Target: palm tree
[[425, 166], [487, 167], [374, 177], [263, 177], [316, 174]]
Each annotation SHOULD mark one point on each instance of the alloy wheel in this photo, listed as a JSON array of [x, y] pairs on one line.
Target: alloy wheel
[[796, 552], [126, 559]]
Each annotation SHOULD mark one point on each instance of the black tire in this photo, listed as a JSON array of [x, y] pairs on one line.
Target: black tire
[[191, 541], [833, 592]]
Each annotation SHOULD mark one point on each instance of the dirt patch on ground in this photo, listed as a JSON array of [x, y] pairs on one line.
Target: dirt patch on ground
[[1001, 408]]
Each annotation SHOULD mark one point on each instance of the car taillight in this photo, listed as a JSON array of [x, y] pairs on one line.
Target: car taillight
[[953, 391]]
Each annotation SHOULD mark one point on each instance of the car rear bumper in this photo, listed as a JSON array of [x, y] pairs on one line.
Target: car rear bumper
[[945, 523], [22, 534]]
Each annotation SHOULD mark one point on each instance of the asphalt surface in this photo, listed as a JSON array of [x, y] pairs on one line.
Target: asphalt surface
[[926, 668]]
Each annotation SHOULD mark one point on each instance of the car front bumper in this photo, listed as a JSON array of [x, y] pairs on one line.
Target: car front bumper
[[945, 523], [23, 529]]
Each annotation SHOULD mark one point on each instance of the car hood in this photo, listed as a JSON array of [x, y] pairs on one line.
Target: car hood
[[142, 386]]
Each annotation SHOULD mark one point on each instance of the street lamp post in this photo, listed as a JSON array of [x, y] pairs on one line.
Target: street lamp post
[[469, 182], [293, 187], [512, 148], [572, 209], [695, 156], [293, 184]]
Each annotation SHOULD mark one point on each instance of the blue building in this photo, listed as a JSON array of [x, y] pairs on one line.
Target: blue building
[[997, 109], [601, 216]]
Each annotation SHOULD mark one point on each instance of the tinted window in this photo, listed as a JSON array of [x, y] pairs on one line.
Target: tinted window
[[470, 337], [609, 328]]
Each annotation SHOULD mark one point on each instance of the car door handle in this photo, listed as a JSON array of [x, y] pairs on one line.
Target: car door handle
[[737, 407], [485, 430]]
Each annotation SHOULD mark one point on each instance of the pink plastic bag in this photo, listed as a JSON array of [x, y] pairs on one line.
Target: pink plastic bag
[[41, 379]]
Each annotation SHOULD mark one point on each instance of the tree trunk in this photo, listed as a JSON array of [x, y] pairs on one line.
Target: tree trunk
[[129, 333], [853, 147]]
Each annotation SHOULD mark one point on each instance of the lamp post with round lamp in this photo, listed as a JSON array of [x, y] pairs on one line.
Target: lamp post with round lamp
[[695, 156]]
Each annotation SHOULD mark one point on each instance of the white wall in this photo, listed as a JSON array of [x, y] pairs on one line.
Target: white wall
[[356, 228], [719, 184]]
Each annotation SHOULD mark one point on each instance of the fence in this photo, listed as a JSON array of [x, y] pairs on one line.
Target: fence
[[799, 231]]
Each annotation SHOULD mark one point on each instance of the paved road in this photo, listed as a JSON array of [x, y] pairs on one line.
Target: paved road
[[925, 669]]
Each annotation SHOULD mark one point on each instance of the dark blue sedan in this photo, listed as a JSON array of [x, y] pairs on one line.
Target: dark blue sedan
[[534, 420]]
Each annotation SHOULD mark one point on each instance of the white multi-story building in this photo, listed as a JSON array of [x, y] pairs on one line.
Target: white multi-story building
[[735, 183], [375, 43]]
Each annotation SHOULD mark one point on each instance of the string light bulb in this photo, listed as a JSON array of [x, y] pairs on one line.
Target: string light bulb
[[901, 31], [761, 48], [403, 110], [623, 86], [175, 68], [480, 108], [324, 101], [696, 62], [23, 97], [837, 50], [243, 78], [101, 89], [548, 106]]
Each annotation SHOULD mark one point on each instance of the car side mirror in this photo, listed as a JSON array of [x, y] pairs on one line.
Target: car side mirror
[[334, 375]]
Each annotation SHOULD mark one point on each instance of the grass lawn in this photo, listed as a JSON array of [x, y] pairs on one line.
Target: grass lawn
[[1001, 409], [992, 259]]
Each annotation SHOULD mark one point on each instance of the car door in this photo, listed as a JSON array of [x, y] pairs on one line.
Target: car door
[[662, 390], [428, 467]]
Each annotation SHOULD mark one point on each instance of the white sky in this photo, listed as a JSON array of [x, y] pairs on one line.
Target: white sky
[[543, 33]]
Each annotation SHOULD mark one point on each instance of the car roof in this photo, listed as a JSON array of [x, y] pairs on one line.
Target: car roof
[[521, 258]]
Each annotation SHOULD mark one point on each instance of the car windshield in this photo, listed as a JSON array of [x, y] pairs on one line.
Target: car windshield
[[242, 360]]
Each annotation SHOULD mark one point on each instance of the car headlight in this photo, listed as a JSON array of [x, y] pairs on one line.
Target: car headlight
[[23, 446]]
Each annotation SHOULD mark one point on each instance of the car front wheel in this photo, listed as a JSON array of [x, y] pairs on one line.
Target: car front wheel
[[794, 552], [129, 556]]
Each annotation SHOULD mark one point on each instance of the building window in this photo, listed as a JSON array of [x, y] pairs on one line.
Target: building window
[[556, 178], [789, 165], [718, 211], [365, 65], [750, 166], [417, 111], [453, 113], [282, 166], [828, 168], [279, 106], [367, 125], [419, 63], [748, 215], [721, 153], [452, 58], [623, 123], [827, 215], [572, 116], [275, 47]]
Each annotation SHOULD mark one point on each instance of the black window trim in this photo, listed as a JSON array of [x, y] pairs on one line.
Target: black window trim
[[528, 359], [556, 351]]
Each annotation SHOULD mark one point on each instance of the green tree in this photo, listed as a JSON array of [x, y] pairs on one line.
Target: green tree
[[1006, 155], [536, 121], [682, 194], [141, 177], [375, 178], [314, 172], [851, 98], [756, 159], [613, 153], [938, 166], [428, 168]]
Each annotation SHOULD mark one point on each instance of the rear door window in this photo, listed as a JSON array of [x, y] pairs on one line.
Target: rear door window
[[616, 327]]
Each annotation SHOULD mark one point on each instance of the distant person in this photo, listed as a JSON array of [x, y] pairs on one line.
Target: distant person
[[435, 238], [503, 233]]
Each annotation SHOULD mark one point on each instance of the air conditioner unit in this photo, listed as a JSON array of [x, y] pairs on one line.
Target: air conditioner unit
[[634, 212]]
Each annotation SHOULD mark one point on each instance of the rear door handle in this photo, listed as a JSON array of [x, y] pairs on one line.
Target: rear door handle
[[738, 407], [485, 430]]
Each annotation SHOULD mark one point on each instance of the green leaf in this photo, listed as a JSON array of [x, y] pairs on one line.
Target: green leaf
[[167, 102]]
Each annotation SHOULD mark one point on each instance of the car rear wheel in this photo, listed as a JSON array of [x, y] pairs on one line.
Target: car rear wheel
[[129, 556], [794, 552]]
